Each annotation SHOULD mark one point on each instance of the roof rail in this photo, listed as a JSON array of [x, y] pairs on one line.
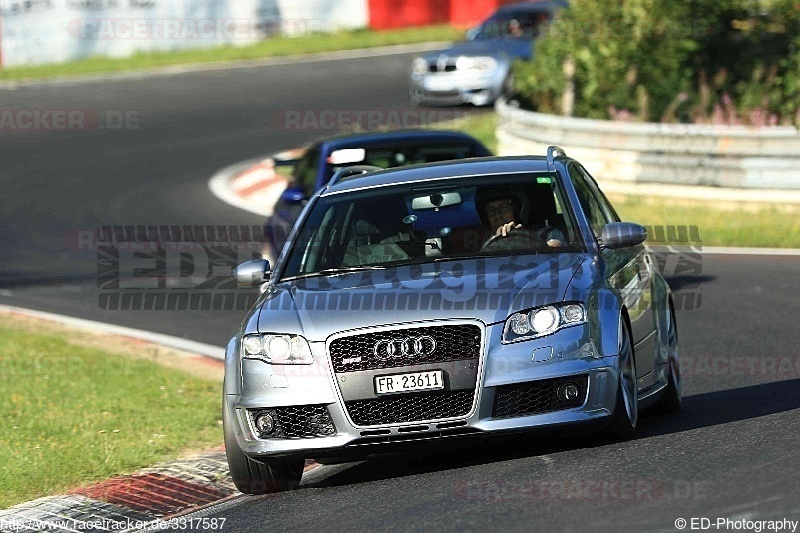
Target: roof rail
[[552, 153], [349, 172]]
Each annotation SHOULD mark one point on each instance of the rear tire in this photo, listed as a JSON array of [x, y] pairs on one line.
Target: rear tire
[[626, 409], [256, 477], [670, 402]]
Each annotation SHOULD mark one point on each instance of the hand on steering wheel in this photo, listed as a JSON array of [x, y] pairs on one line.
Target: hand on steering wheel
[[519, 234], [507, 228]]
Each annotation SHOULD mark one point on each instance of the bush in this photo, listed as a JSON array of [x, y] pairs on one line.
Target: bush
[[660, 60]]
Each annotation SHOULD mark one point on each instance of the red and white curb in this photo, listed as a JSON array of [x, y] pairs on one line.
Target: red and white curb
[[253, 185], [128, 503]]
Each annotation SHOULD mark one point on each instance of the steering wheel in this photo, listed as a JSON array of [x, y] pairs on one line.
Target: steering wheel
[[520, 234]]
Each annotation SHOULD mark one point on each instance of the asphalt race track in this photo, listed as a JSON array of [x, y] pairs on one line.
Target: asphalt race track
[[731, 454]]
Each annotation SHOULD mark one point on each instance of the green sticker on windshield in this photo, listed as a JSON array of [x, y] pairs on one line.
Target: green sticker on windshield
[[544, 179]]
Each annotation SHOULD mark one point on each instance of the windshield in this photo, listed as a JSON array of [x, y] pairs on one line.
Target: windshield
[[513, 26], [414, 223]]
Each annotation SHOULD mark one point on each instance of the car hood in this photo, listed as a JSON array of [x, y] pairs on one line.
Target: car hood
[[497, 48], [487, 289]]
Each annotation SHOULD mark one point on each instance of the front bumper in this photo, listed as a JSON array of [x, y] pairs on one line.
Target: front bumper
[[574, 357], [457, 87]]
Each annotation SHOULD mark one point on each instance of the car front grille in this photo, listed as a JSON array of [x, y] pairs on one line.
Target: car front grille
[[534, 397], [449, 67], [410, 407], [297, 422], [368, 351]]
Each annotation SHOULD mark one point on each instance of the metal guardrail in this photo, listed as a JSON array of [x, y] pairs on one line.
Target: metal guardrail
[[678, 154]]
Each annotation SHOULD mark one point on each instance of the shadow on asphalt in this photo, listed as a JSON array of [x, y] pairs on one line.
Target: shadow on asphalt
[[682, 282], [18, 280], [699, 411]]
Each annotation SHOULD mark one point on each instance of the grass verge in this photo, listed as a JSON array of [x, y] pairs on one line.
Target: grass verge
[[77, 409], [718, 223], [272, 47], [480, 125], [729, 224]]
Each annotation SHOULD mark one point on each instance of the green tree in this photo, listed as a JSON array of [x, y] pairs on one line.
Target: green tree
[[652, 60]]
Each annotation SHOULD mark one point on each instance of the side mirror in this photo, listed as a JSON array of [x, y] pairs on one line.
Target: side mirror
[[622, 234], [472, 32], [251, 273], [293, 195]]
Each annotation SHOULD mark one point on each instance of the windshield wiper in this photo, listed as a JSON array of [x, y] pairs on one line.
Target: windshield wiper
[[337, 271]]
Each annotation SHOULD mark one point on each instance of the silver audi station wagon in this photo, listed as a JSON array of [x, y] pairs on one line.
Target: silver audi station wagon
[[442, 301]]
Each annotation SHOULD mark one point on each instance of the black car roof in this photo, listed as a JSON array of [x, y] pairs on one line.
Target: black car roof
[[531, 6], [403, 136], [478, 166]]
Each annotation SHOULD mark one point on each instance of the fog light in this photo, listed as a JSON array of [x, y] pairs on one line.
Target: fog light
[[569, 392], [573, 313], [265, 423], [519, 324]]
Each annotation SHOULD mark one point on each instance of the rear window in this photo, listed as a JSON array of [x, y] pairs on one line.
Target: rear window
[[398, 156]]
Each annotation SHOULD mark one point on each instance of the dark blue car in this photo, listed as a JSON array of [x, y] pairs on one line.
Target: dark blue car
[[478, 71], [390, 149]]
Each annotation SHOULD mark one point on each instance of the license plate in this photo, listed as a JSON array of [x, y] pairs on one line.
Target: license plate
[[433, 83], [414, 381]]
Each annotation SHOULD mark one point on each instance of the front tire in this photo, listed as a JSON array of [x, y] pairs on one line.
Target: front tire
[[255, 477], [508, 87], [626, 409], [415, 95]]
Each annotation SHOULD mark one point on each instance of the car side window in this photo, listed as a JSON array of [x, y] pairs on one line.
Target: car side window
[[305, 174], [595, 214], [610, 214]]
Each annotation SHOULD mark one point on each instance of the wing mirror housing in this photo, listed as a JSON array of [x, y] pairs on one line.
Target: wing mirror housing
[[251, 273], [622, 235], [293, 195]]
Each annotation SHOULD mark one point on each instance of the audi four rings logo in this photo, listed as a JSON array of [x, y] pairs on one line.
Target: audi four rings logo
[[404, 346]]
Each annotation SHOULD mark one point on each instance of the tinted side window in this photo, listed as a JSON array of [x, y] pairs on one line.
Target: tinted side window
[[591, 207], [608, 209], [305, 173]]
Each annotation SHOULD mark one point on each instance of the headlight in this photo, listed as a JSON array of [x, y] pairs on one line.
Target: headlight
[[277, 349], [419, 66], [542, 321], [476, 63]]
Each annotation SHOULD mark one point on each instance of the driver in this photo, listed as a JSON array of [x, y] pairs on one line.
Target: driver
[[515, 28], [501, 212]]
